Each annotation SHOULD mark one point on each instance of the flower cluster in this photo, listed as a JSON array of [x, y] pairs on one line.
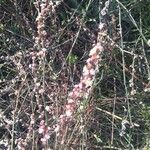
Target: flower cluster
[[44, 130], [43, 9], [37, 55], [104, 11], [81, 90]]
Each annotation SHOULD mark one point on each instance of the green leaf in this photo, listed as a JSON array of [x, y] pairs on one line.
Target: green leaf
[[72, 59]]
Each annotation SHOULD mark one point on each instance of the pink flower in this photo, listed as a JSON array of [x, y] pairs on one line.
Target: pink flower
[[46, 136], [92, 72], [32, 122], [57, 128], [82, 89], [42, 122], [41, 91], [101, 26], [68, 106], [70, 95], [93, 51], [47, 108], [38, 84], [85, 71], [41, 130], [41, 53], [70, 101], [80, 85], [69, 113], [44, 49], [43, 140]]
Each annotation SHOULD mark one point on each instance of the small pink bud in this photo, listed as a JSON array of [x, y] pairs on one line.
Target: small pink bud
[[101, 26], [93, 51], [76, 86], [44, 49], [70, 94], [33, 57], [32, 122], [85, 71], [30, 66], [47, 136], [68, 106], [68, 113], [70, 101], [41, 91], [43, 140], [92, 72], [57, 128], [37, 84], [42, 122], [80, 85], [41, 130], [47, 108], [41, 53]]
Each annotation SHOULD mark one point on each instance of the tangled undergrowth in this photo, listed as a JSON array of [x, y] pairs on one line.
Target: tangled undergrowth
[[74, 74]]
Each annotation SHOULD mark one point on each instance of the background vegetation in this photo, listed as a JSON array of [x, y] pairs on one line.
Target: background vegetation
[[117, 112]]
